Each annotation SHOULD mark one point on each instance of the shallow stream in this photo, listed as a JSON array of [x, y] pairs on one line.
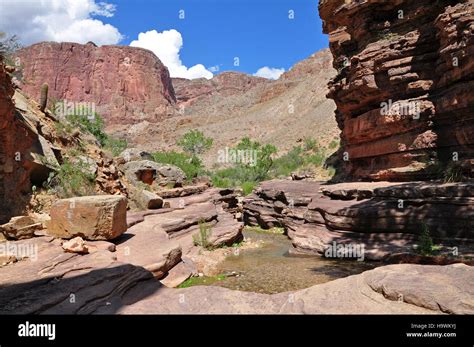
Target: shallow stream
[[270, 269]]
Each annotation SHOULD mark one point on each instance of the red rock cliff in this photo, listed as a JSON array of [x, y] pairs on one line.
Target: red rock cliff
[[404, 85], [224, 84], [127, 84], [16, 137]]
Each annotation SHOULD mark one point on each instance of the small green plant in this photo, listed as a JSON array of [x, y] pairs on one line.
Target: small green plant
[[387, 35], [310, 144], [202, 239], [425, 242], [94, 125], [248, 187], [333, 144], [453, 172]]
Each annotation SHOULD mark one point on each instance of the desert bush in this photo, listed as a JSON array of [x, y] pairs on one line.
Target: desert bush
[[71, 179], [310, 144], [192, 166], [333, 144], [425, 243], [94, 125], [247, 175], [287, 163], [195, 143]]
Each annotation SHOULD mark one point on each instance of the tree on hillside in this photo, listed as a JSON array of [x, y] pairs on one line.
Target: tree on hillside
[[195, 143]]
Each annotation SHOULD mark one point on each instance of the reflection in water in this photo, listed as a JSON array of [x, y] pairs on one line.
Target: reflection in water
[[270, 269]]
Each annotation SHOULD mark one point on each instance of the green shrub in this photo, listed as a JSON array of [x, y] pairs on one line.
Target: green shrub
[[310, 144], [286, 164], [333, 144], [425, 242], [71, 179], [94, 125], [247, 174], [195, 143], [248, 187], [191, 166]]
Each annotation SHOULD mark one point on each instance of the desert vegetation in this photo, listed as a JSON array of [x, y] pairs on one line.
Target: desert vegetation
[[308, 158]]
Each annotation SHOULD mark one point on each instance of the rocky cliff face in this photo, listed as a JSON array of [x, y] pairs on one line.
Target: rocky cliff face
[[224, 84], [15, 162], [404, 85], [127, 84]]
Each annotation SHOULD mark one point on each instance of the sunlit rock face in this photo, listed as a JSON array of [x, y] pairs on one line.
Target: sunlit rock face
[[126, 84], [404, 86]]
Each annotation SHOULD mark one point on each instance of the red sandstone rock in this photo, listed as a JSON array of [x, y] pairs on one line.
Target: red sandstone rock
[[223, 84], [127, 84], [420, 57]]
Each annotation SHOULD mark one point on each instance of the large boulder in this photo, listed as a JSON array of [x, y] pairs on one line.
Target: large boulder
[[134, 154], [101, 217], [154, 174], [147, 200]]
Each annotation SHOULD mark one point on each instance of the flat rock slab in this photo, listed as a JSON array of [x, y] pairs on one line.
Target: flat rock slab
[[50, 280], [393, 289], [147, 245]]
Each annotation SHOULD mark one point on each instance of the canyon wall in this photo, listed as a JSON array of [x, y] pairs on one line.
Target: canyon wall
[[404, 86], [17, 140], [127, 84], [224, 84]]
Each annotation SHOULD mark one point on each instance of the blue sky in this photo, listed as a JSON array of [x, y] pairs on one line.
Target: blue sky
[[212, 33], [259, 32]]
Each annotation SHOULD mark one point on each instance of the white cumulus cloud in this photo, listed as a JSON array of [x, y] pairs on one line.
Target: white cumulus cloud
[[167, 45], [58, 20], [269, 72]]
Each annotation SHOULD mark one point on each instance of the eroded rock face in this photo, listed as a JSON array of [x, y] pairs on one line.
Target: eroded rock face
[[386, 218], [127, 84], [223, 84], [404, 85], [19, 142]]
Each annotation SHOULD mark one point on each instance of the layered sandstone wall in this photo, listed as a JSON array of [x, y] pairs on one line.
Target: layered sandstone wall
[[404, 86], [127, 84]]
